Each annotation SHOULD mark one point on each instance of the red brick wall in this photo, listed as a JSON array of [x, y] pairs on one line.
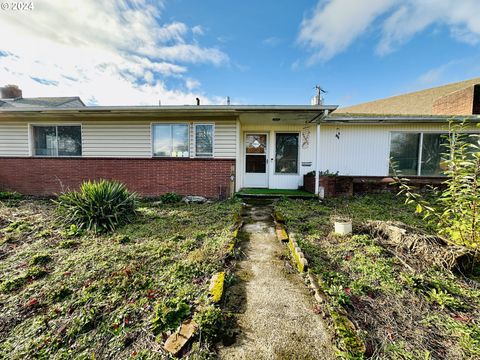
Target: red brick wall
[[148, 177], [457, 103]]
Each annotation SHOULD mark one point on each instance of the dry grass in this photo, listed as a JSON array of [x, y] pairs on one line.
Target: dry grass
[[404, 302], [65, 294]]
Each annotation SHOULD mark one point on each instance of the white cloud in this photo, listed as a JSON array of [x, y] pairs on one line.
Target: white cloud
[[454, 70], [192, 84], [104, 51], [334, 25], [198, 30]]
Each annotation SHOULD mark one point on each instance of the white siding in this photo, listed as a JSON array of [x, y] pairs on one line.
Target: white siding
[[225, 140], [109, 139], [362, 150], [14, 139], [116, 138]]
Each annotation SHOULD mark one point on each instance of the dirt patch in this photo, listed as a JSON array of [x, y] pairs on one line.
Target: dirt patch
[[273, 310]]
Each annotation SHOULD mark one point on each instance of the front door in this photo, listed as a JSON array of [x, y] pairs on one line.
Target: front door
[[256, 160]]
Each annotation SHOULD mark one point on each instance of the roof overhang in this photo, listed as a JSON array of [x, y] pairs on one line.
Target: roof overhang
[[353, 119], [257, 113]]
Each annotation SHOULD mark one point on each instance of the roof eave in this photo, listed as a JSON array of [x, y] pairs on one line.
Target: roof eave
[[379, 119], [231, 109]]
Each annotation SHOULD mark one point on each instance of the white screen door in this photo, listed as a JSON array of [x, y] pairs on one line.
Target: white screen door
[[256, 161]]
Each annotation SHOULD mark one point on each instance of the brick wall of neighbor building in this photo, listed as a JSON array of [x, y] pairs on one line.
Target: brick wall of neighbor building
[[457, 103], [148, 177]]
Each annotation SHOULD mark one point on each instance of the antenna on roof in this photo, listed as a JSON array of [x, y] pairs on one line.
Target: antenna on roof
[[318, 99]]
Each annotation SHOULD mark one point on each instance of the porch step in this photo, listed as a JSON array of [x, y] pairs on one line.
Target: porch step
[[274, 194]]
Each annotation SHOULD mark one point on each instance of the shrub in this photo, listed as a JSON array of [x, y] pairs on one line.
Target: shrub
[[99, 206], [170, 198], [455, 210]]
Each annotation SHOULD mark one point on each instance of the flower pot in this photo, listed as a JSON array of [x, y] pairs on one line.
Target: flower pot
[[343, 227]]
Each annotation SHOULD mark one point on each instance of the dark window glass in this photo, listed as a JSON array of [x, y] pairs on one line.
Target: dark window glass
[[69, 140], [45, 139], [204, 140], [255, 164], [286, 153], [170, 140], [433, 153], [57, 140], [404, 152]]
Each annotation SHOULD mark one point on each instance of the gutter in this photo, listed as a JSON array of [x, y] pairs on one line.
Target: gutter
[[171, 108], [398, 119]]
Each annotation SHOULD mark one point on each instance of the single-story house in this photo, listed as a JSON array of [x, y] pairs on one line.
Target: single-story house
[[215, 150]]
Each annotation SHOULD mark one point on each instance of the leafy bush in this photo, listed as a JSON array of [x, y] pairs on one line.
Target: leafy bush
[[99, 206], [455, 210], [170, 198]]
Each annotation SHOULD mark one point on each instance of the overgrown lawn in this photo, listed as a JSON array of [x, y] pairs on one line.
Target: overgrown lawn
[[70, 295], [401, 311]]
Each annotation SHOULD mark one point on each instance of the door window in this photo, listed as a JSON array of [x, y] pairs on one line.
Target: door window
[[255, 149], [286, 153]]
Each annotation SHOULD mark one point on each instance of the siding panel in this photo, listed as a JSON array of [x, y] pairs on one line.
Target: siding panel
[[14, 139], [362, 150], [116, 139], [225, 140]]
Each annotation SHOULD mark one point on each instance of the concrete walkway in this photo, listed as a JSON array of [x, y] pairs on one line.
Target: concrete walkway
[[273, 308]]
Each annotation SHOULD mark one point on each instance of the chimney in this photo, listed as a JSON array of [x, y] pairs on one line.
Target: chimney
[[198, 101], [10, 92]]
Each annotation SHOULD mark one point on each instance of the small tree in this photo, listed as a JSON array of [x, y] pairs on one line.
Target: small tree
[[455, 209]]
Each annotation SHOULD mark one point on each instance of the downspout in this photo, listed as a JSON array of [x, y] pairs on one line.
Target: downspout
[[317, 159], [318, 119]]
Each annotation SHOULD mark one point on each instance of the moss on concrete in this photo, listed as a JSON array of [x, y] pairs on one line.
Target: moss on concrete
[[216, 286]]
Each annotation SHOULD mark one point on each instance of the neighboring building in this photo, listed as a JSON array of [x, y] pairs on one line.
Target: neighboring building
[[11, 97], [44, 102], [211, 150]]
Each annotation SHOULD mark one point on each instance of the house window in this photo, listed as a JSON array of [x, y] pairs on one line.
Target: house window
[[418, 154], [433, 151], [65, 140], [404, 152], [170, 140], [286, 153], [204, 140]]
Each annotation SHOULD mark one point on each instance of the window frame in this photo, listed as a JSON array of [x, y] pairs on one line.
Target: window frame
[[31, 139], [152, 140], [195, 140], [298, 154]]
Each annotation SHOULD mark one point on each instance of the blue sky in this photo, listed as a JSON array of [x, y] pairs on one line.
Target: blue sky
[[257, 52]]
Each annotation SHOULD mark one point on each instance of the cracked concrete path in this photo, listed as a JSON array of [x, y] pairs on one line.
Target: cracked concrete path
[[274, 310]]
